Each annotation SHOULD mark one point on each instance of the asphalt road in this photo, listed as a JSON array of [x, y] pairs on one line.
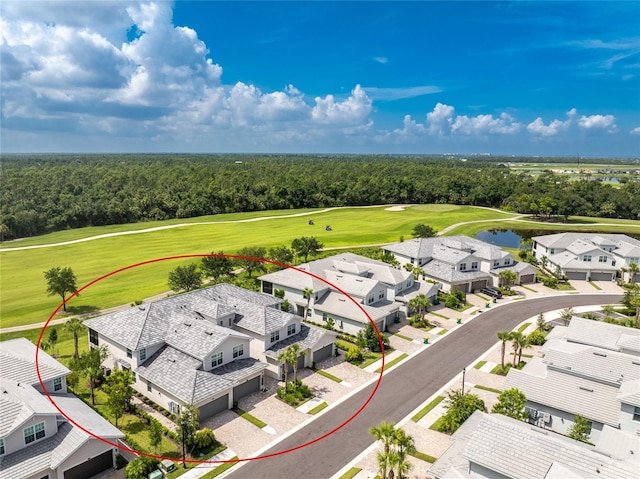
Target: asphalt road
[[400, 392]]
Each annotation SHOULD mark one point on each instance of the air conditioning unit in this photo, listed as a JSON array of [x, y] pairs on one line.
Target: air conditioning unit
[[546, 417]]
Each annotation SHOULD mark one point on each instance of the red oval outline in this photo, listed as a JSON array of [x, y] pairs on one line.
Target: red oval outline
[[209, 461]]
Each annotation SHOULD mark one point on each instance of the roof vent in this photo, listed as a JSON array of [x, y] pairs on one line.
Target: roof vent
[[208, 332], [586, 389], [187, 323], [635, 362], [595, 353]]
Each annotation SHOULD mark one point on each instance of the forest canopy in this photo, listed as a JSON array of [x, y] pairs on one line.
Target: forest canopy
[[45, 193]]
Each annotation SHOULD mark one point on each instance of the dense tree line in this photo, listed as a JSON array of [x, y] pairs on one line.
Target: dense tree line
[[42, 194]]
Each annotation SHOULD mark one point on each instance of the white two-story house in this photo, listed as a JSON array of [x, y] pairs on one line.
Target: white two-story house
[[460, 262], [589, 368], [587, 256], [37, 441], [349, 289]]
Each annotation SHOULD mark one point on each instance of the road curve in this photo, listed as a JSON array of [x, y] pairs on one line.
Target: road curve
[[401, 391]]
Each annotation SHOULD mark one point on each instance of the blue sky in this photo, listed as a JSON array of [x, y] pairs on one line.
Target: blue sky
[[521, 78]]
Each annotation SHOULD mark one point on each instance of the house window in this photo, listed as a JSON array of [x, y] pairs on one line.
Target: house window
[[143, 354], [496, 263], [275, 336], [463, 266], [129, 353], [587, 258], [636, 414], [57, 384], [216, 359], [237, 351], [633, 260], [93, 337], [381, 294], [149, 386], [1, 447], [552, 251], [474, 265], [33, 433], [291, 329], [267, 287], [507, 261], [133, 375], [602, 259], [370, 299], [325, 316]]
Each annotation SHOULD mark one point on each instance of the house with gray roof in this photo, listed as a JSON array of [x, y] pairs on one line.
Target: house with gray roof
[[460, 262], [588, 256], [589, 368], [496, 446], [349, 289], [37, 439], [205, 347]]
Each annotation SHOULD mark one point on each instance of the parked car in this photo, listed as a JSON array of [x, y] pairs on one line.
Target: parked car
[[493, 292]]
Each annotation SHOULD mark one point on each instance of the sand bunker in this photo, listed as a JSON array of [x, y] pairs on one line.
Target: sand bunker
[[395, 208]]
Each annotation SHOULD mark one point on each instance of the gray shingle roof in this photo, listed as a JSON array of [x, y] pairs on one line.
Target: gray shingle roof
[[447, 273], [591, 399], [20, 402], [597, 333], [447, 248], [86, 417], [337, 304], [588, 361], [18, 362], [563, 240], [178, 374], [630, 393], [307, 338], [419, 287], [516, 449], [352, 285]]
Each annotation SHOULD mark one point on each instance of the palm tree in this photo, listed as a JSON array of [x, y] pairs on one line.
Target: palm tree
[[633, 270], [284, 357], [384, 432], [306, 294], [420, 304], [541, 323], [393, 460], [74, 326], [516, 339], [404, 443], [294, 351], [503, 336]]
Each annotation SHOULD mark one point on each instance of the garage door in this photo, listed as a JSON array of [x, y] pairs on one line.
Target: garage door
[[527, 278], [323, 353], [577, 275], [214, 407], [90, 468], [461, 287], [601, 276], [250, 386], [476, 285]]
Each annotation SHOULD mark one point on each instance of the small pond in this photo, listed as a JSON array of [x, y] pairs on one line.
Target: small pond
[[507, 238]]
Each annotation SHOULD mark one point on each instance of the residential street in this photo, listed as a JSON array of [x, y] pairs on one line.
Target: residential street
[[401, 391]]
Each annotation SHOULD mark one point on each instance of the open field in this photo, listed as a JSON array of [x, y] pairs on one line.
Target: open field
[[23, 298]]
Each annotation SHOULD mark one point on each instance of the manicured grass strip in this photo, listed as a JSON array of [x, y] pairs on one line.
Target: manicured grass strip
[[220, 469], [395, 361], [444, 331], [528, 289], [483, 297], [328, 375], [439, 315], [485, 388], [425, 410], [351, 473], [407, 338], [523, 327], [466, 306], [422, 456], [595, 285], [436, 425], [252, 419], [565, 287], [318, 408], [479, 364], [344, 345]]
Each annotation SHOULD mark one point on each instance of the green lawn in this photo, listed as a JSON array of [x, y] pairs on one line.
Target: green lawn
[[392, 363], [425, 410], [485, 388], [351, 473], [328, 375], [318, 408], [23, 298], [249, 417], [479, 364]]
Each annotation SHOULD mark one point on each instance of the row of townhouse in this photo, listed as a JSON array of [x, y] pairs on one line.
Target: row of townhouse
[[36, 440], [349, 289], [589, 368], [460, 262], [588, 256], [208, 347]]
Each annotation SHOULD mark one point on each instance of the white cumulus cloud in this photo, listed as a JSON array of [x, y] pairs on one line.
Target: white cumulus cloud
[[598, 122], [505, 124], [537, 126], [635, 131], [440, 119], [353, 110]]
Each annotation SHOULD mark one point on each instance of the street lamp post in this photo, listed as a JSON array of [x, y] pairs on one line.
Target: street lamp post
[[464, 370]]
